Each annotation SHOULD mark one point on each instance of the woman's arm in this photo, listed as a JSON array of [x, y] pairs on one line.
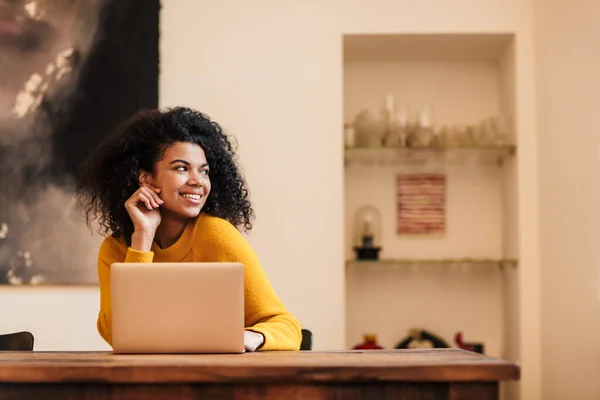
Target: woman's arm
[[264, 311], [111, 252]]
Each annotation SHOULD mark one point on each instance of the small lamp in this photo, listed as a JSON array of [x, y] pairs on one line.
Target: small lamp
[[367, 233]]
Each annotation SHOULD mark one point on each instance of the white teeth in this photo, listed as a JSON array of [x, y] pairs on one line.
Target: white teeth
[[192, 196]]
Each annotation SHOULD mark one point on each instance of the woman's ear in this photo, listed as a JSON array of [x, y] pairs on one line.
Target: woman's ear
[[143, 177]]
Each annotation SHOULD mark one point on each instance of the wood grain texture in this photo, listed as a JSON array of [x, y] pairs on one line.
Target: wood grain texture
[[435, 365], [468, 391], [346, 391]]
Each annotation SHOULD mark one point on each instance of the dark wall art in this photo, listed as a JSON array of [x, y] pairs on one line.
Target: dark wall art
[[70, 71]]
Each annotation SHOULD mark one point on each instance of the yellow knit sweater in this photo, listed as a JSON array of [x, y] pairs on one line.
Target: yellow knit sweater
[[209, 239]]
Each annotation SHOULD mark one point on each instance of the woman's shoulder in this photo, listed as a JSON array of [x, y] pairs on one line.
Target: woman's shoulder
[[112, 245], [216, 226], [217, 230], [219, 239]]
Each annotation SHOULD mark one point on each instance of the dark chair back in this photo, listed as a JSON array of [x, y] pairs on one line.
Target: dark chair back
[[18, 341], [307, 340]]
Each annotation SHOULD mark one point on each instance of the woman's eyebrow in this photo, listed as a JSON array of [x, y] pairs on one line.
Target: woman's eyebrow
[[180, 161], [187, 163]]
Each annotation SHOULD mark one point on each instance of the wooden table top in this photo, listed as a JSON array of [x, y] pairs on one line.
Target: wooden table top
[[431, 365]]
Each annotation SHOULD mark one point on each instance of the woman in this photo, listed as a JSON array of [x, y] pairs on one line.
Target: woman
[[167, 188]]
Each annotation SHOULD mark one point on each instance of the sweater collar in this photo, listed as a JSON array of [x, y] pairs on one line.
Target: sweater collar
[[181, 248]]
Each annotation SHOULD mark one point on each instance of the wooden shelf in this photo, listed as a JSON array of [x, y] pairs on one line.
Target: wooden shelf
[[492, 154], [440, 262]]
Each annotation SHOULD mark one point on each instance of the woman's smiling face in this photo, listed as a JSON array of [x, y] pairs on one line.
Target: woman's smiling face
[[183, 177]]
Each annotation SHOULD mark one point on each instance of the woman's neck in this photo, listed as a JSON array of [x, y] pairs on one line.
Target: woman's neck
[[169, 231]]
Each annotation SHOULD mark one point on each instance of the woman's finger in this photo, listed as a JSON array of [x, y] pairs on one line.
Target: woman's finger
[[157, 201], [148, 194], [144, 199], [157, 197]]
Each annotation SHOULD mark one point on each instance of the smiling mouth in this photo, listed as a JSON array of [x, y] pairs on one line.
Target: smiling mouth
[[194, 198]]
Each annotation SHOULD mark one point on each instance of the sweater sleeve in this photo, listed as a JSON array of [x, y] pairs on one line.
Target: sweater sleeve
[[109, 253], [264, 311]]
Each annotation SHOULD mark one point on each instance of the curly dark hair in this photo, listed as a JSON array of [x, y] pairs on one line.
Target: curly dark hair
[[111, 172]]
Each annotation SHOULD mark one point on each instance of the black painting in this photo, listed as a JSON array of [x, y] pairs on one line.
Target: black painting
[[70, 71]]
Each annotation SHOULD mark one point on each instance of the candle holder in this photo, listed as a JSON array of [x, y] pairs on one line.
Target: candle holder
[[367, 233]]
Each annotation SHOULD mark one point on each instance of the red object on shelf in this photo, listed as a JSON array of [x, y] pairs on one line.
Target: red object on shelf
[[461, 344], [369, 343]]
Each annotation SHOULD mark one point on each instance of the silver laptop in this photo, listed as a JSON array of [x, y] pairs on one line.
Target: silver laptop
[[177, 307]]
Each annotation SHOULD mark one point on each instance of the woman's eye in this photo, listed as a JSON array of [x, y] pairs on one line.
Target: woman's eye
[[181, 168], [205, 172]]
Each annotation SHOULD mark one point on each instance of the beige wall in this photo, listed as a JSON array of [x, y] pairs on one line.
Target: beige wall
[[568, 79], [60, 318]]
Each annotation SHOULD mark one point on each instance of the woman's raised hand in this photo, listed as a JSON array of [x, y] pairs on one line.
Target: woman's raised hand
[[143, 209]]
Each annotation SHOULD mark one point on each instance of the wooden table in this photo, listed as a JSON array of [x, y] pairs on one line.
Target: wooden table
[[380, 374]]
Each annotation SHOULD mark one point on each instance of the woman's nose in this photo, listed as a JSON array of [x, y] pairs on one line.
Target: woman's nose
[[194, 182], [194, 179]]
